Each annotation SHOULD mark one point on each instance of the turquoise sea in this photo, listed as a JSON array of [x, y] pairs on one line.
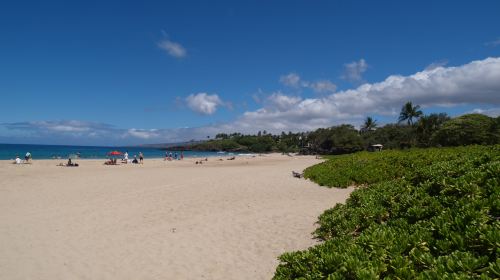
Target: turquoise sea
[[9, 151]]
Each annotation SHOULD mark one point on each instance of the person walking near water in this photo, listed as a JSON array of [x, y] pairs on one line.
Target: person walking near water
[[141, 157]]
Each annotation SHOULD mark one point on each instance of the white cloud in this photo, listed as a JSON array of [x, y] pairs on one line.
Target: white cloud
[[493, 43], [477, 82], [204, 103], [291, 80], [353, 72], [67, 128], [281, 102], [323, 86], [295, 81], [64, 128], [142, 133], [492, 112], [85, 133], [436, 64], [172, 48], [71, 126], [258, 96]]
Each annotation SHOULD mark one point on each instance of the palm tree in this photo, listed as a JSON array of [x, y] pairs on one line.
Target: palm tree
[[410, 112], [428, 125], [370, 124]]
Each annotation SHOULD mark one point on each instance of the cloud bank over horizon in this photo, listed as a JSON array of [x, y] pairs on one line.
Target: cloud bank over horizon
[[475, 84]]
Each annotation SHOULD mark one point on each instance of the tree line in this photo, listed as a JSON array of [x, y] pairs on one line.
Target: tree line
[[413, 129]]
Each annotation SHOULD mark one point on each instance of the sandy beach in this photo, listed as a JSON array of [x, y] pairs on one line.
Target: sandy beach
[[160, 220]]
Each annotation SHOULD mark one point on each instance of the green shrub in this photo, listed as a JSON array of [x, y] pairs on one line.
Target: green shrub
[[428, 214], [466, 130]]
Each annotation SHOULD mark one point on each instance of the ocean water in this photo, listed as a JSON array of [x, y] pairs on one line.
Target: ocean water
[[9, 151]]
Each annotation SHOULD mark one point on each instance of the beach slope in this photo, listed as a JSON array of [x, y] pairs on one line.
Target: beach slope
[[160, 220]]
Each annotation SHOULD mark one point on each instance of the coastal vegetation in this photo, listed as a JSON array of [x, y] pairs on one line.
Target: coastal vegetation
[[237, 142], [417, 214], [434, 130]]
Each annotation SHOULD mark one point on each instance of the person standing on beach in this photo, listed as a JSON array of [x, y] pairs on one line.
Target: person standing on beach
[[141, 157], [125, 157], [27, 157]]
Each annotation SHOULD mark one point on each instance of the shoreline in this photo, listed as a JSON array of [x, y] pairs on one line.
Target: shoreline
[[9, 152], [186, 158], [190, 156]]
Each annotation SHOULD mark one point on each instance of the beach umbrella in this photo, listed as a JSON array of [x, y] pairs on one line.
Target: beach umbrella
[[115, 153]]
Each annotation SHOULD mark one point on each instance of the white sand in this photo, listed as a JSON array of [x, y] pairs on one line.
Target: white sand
[[162, 220]]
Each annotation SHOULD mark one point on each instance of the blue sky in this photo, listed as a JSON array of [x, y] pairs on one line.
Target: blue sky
[[123, 72]]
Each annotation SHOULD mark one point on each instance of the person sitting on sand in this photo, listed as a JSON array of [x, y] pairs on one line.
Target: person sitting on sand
[[17, 160], [135, 159], [71, 164], [111, 161]]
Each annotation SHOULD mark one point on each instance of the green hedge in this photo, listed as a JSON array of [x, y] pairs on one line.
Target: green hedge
[[428, 214], [372, 167]]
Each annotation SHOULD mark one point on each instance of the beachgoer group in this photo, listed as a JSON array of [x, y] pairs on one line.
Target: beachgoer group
[[27, 159], [137, 159], [174, 156]]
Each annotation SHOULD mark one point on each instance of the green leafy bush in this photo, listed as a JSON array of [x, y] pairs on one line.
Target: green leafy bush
[[428, 214], [466, 130]]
